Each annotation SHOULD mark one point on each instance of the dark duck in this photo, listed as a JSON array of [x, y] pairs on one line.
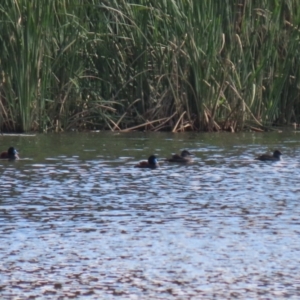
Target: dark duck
[[267, 157], [150, 164], [10, 154], [184, 157]]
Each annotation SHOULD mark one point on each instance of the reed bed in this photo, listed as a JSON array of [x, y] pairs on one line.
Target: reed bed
[[149, 65]]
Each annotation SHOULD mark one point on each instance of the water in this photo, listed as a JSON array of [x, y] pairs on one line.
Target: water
[[78, 221]]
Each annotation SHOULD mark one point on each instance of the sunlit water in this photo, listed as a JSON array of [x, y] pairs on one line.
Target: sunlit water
[[79, 221]]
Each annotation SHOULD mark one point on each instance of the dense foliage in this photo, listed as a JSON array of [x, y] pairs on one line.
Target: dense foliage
[[148, 64]]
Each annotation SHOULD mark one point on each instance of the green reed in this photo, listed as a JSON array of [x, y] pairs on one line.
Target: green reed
[[148, 64]]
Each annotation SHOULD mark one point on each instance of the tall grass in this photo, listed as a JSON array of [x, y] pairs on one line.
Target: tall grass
[[148, 64]]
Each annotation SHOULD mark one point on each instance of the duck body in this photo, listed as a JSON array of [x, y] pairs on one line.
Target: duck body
[[150, 164], [10, 154], [266, 157], [184, 157]]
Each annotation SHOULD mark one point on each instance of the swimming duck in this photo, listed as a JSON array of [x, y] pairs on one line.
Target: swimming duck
[[151, 163], [10, 154], [276, 156], [184, 157]]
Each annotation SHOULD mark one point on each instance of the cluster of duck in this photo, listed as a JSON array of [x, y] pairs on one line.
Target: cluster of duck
[[185, 157], [152, 163]]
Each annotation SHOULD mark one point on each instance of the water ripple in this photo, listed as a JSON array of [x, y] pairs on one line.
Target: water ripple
[[217, 228]]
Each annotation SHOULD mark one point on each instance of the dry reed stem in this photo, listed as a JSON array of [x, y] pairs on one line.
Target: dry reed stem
[[121, 118], [142, 125], [180, 118]]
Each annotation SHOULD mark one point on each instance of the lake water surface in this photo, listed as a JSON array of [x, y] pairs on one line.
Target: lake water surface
[[78, 221]]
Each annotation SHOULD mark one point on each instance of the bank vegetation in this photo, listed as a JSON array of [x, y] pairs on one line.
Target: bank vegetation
[[172, 65]]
